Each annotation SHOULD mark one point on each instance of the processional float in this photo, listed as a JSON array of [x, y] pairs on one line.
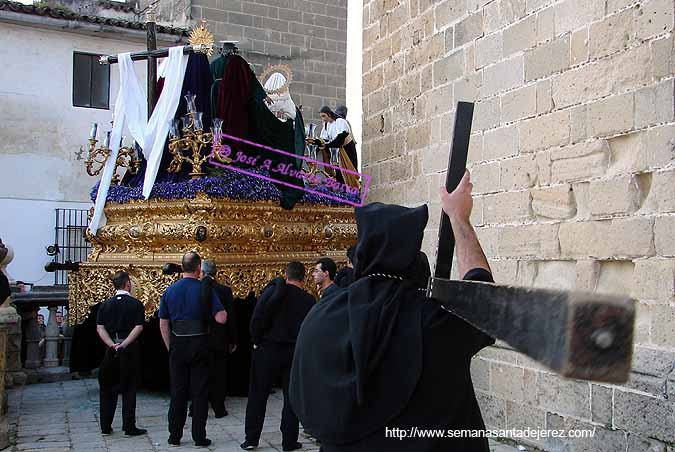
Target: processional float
[[250, 237]]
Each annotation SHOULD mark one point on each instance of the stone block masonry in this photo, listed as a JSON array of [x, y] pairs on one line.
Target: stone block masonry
[[573, 162], [310, 36]]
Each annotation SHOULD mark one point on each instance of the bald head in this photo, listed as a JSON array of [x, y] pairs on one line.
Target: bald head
[[191, 262]]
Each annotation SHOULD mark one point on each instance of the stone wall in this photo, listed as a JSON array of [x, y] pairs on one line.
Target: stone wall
[[572, 160], [309, 36]]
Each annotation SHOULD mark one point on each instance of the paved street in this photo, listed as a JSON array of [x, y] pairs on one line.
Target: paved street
[[63, 416]]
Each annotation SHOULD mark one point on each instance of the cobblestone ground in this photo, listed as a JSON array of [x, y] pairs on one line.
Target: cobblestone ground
[[63, 416]]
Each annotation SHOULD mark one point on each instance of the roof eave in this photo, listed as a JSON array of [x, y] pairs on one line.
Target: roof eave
[[86, 28]]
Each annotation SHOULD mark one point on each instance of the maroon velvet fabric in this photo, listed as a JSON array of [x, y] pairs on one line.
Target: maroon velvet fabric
[[233, 103]]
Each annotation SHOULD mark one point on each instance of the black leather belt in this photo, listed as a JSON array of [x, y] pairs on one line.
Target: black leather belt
[[189, 328]]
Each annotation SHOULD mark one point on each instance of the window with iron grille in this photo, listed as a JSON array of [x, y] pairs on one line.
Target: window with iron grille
[[91, 81], [71, 225]]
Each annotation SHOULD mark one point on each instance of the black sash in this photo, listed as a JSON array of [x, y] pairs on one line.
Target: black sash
[[189, 327]]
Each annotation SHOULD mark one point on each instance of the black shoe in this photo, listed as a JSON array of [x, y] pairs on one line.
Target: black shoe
[[295, 446], [248, 446], [203, 443], [135, 432], [106, 431], [173, 442], [221, 415]]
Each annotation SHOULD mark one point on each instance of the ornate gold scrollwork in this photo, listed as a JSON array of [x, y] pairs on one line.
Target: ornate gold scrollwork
[[97, 157], [250, 242], [193, 141]]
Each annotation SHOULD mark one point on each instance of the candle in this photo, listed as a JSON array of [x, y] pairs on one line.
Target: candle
[[106, 142], [198, 121], [93, 131], [174, 128], [190, 98]]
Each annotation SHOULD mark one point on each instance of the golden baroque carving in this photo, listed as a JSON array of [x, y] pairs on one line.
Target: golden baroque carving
[[91, 284], [250, 242]]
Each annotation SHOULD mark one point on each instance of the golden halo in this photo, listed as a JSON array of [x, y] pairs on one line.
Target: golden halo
[[201, 36], [284, 69]]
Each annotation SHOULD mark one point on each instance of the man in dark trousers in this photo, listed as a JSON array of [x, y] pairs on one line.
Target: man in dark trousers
[[119, 323], [222, 339], [324, 276], [184, 318], [275, 324]]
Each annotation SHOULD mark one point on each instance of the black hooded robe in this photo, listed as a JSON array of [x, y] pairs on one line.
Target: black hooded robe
[[380, 355]]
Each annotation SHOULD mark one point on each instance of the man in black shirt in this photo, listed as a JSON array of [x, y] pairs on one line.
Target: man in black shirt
[[345, 276], [119, 323], [275, 324], [324, 276], [222, 339]]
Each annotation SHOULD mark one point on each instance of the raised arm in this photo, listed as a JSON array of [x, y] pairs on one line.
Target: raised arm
[[457, 205]]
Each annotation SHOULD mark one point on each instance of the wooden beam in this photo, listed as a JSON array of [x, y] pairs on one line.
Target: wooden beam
[[152, 65], [576, 334], [459, 151], [145, 54]]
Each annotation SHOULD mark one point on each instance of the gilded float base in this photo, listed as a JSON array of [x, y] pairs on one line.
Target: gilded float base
[[91, 283], [251, 243]]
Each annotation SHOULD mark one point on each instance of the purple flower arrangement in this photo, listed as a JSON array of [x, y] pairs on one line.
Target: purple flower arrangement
[[230, 185]]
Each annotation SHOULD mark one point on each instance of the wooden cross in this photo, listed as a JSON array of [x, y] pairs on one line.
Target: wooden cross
[[576, 334], [201, 40]]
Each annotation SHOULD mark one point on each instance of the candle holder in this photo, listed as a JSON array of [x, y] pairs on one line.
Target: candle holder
[[96, 157], [218, 148], [315, 153], [189, 147], [127, 157]]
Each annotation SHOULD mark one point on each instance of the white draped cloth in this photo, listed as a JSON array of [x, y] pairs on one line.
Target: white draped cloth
[[276, 81], [282, 104], [131, 110], [158, 125]]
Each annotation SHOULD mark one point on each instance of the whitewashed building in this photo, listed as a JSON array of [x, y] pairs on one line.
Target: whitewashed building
[[51, 89]]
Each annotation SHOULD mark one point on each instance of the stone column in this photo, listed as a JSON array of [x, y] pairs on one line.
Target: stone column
[[52, 340], [33, 337]]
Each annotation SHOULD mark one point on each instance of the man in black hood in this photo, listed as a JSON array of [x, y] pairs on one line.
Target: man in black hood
[[384, 356]]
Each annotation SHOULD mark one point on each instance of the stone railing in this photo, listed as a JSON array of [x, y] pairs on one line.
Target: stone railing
[[56, 345]]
